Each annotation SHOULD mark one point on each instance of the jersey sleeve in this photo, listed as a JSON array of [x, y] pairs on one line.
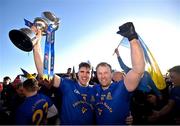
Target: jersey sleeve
[[123, 66]]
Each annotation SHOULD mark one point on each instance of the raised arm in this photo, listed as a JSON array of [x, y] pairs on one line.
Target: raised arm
[[137, 56], [38, 59], [121, 63]]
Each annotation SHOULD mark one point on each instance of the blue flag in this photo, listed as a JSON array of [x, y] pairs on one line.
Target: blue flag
[[28, 23]]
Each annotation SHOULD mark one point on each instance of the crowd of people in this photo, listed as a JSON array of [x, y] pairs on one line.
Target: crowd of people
[[89, 97]]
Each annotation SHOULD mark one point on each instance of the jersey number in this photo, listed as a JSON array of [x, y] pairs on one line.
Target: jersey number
[[38, 114]]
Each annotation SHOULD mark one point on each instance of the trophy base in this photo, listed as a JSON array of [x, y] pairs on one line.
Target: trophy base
[[21, 40]]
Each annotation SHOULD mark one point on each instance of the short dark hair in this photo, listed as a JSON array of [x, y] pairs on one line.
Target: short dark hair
[[69, 68], [175, 69], [84, 64], [103, 64], [31, 85], [6, 78]]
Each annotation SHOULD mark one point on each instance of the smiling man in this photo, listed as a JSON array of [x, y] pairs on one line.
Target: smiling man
[[76, 96], [112, 99]]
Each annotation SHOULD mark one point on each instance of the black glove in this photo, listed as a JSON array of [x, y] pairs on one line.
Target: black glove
[[128, 30]]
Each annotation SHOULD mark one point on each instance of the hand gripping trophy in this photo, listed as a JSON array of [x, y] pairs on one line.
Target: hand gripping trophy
[[23, 38]]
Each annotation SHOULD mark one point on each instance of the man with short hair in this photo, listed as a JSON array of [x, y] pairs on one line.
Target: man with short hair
[[112, 99], [173, 105], [77, 96], [36, 108], [7, 92]]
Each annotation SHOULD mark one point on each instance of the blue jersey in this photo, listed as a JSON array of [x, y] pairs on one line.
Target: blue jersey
[[76, 107], [33, 111], [112, 104], [146, 84]]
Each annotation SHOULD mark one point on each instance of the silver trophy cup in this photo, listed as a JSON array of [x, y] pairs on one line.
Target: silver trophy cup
[[23, 38]]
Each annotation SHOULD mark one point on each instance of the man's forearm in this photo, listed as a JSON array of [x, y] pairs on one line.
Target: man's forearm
[[167, 108], [38, 59]]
